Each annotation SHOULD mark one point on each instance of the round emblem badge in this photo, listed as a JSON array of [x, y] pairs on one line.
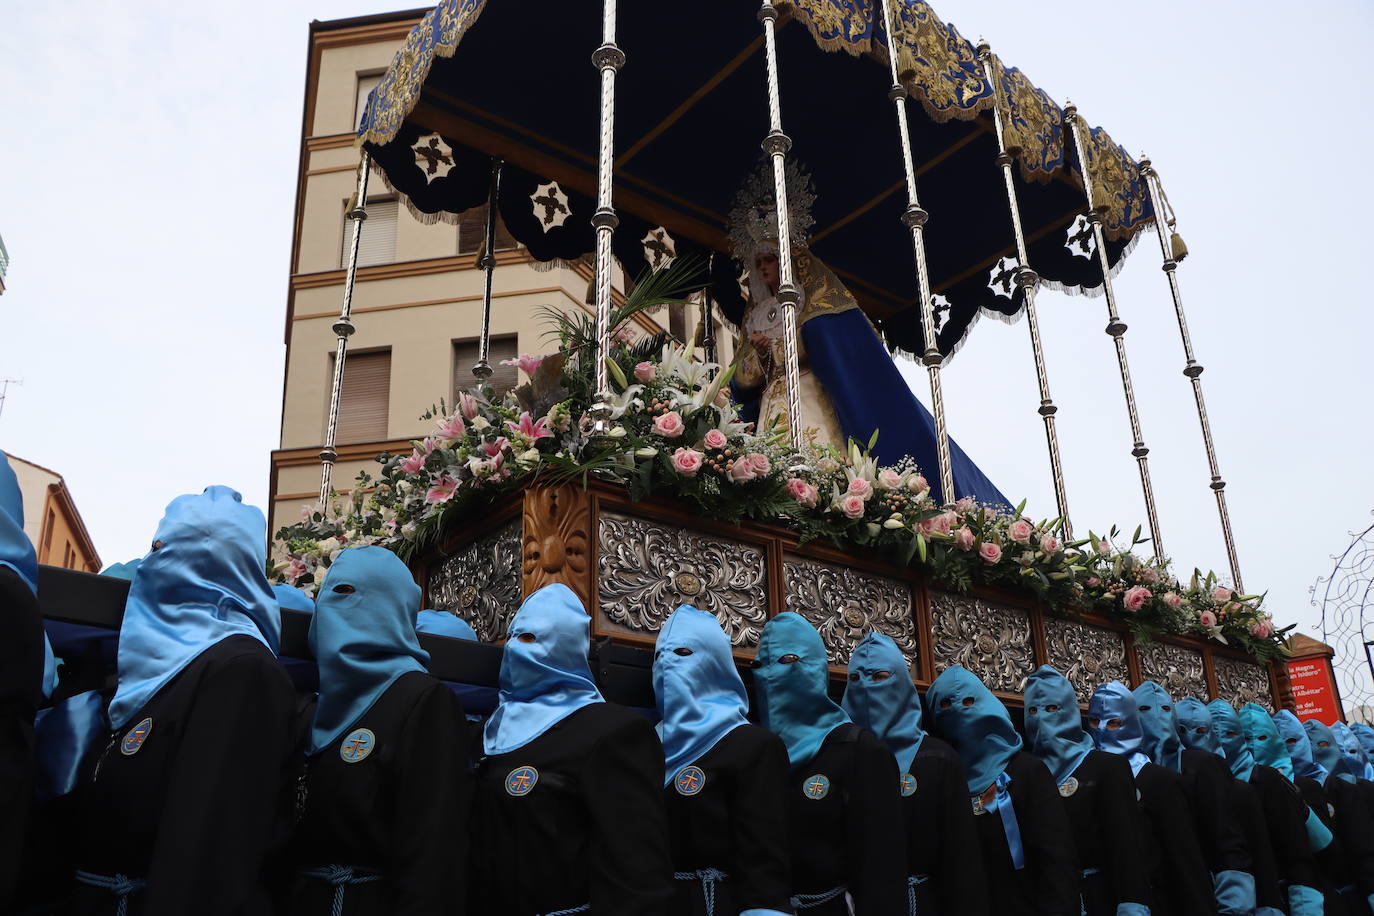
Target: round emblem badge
[[1330, 810], [357, 744], [135, 738], [520, 781], [1137, 795], [816, 787], [908, 785], [1068, 787], [689, 781]]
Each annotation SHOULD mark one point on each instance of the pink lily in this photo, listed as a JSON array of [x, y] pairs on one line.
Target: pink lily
[[443, 489], [452, 428], [533, 430], [494, 449], [415, 463]]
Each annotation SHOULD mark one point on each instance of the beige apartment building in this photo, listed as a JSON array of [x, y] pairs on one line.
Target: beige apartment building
[[51, 519], [418, 297]]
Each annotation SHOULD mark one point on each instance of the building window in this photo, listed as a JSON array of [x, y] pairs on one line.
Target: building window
[[363, 402], [378, 243], [503, 378], [49, 524], [472, 232], [365, 85]]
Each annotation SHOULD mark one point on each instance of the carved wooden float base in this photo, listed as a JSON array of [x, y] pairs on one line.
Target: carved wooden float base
[[633, 563]]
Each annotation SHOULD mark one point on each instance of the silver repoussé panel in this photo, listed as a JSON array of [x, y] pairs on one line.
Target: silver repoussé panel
[[482, 582], [992, 640], [1088, 656], [844, 604]]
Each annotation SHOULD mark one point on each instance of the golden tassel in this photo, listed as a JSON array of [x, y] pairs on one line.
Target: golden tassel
[[906, 64], [1178, 250]]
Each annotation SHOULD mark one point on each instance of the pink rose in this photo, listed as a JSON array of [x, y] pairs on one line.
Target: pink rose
[[963, 538], [645, 372], [670, 425], [860, 487], [964, 506], [1104, 548], [1207, 619], [1020, 531], [1262, 629], [760, 462], [1135, 597], [802, 491], [991, 553], [1049, 544], [945, 522], [415, 463], [687, 461], [917, 484], [889, 479], [1221, 594], [442, 490], [1092, 582], [467, 405], [714, 438], [742, 471], [1173, 599], [852, 505]]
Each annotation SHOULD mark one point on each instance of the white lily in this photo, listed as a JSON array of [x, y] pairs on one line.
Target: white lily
[[619, 403]]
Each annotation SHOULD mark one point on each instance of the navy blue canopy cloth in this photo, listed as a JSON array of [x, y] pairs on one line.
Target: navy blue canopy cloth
[[687, 133]]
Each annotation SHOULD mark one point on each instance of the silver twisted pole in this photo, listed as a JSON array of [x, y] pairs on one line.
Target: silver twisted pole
[[776, 144], [608, 58], [1192, 369], [1026, 278], [482, 370], [915, 219], [1116, 329], [708, 313], [343, 327]]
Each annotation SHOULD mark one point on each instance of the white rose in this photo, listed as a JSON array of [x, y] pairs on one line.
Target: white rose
[[479, 422]]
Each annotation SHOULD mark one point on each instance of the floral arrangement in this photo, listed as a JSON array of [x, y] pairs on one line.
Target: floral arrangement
[[674, 429]]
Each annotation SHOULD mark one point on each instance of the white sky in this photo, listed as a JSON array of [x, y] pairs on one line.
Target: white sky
[[147, 167]]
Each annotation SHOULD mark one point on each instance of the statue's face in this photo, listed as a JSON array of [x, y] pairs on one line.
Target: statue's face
[[766, 263]]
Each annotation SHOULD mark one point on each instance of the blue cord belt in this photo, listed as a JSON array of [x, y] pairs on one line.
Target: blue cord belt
[[709, 878], [121, 886], [913, 882], [808, 901], [341, 878]]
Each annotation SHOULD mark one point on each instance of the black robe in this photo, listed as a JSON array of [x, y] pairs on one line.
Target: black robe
[[1285, 813], [196, 807], [1049, 884], [1249, 813], [734, 821], [21, 692], [1209, 784], [851, 834], [1108, 833], [1333, 864], [1353, 824], [941, 840], [590, 830], [1179, 878], [401, 812]]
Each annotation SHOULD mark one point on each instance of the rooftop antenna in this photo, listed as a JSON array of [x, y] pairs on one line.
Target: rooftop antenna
[[4, 390]]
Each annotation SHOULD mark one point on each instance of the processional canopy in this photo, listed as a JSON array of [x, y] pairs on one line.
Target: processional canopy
[[478, 79]]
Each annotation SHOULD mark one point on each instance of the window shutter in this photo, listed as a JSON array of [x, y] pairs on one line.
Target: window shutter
[[503, 378], [378, 244], [365, 85], [364, 399]]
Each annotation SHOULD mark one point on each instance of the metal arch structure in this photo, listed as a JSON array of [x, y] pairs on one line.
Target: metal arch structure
[[1347, 618]]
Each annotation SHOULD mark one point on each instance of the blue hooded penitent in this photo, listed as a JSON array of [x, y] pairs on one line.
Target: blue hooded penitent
[[1365, 735], [1326, 749], [1226, 723], [880, 697], [442, 623], [1160, 725], [791, 682], [1196, 727], [968, 716], [544, 672], [1114, 723], [16, 550], [1299, 746], [700, 696], [1054, 726], [362, 636], [290, 598], [1263, 738], [202, 582], [1356, 762]]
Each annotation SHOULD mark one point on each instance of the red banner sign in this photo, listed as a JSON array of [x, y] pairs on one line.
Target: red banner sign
[[1314, 690]]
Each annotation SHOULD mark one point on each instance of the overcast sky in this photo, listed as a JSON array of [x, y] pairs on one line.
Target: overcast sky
[[147, 176]]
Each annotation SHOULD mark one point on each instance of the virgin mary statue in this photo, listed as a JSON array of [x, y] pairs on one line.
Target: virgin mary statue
[[850, 387]]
